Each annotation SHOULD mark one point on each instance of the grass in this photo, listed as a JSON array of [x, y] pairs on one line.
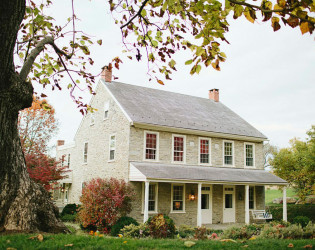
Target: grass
[[270, 195], [62, 241]]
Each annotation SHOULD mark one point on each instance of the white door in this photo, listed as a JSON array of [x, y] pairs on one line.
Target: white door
[[228, 204], [206, 205]]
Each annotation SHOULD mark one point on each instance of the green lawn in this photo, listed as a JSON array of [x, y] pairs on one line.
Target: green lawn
[[60, 241], [270, 195]]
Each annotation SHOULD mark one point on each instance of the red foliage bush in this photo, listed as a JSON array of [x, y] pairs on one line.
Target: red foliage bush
[[104, 201]]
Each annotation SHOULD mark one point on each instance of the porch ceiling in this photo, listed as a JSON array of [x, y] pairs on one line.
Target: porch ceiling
[[141, 171]]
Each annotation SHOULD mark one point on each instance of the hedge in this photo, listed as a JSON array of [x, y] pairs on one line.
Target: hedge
[[293, 210]]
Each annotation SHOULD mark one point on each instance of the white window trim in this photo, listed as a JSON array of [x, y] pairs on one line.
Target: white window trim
[[157, 145], [156, 198], [184, 199], [210, 158], [92, 119], [253, 144], [254, 198], [106, 108], [233, 154], [68, 162], [109, 160], [184, 156], [87, 153]]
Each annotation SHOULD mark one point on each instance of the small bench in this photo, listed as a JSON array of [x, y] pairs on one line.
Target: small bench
[[261, 215]]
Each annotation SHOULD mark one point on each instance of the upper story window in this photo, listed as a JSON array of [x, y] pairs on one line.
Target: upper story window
[[178, 198], [204, 151], [151, 145], [228, 153], [249, 155], [112, 147], [251, 199], [179, 148], [92, 119], [85, 152], [63, 159], [68, 160], [106, 110]]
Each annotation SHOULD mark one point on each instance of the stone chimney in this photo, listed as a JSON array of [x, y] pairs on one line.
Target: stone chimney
[[60, 143], [214, 94], [107, 73]]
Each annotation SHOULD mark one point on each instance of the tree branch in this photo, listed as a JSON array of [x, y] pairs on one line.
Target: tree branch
[[36, 51], [137, 14]]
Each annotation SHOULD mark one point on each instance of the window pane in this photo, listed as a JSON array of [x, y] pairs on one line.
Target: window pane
[[228, 160], [249, 155], [178, 194], [178, 149], [205, 201], [151, 144], [228, 201], [251, 197], [112, 155], [228, 153]]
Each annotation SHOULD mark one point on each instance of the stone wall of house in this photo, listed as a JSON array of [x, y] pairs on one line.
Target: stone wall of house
[[98, 137], [192, 149]]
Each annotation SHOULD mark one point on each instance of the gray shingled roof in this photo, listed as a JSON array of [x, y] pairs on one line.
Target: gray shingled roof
[[209, 174], [158, 107]]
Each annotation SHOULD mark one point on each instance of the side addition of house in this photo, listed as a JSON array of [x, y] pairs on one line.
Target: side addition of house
[[188, 157]]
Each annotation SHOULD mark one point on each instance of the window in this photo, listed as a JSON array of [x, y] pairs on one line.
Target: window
[[178, 148], [151, 146], [251, 197], [63, 159], [85, 152], [228, 200], [153, 195], [249, 155], [106, 109], [112, 147], [178, 192], [204, 151], [68, 160], [92, 119], [228, 153]]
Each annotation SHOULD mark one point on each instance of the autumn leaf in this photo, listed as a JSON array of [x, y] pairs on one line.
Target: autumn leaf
[[100, 42], [275, 23], [308, 246], [290, 245], [304, 27], [40, 237], [250, 15], [69, 245], [293, 21], [160, 82]]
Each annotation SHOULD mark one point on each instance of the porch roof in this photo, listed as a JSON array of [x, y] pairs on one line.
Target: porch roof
[[142, 171]]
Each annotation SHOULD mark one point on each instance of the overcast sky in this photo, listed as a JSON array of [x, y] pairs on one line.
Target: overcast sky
[[268, 78]]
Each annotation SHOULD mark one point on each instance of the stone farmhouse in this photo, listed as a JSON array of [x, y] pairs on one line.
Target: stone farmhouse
[[188, 157]]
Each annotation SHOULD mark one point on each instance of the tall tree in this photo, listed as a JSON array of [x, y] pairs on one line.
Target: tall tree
[[46, 54], [296, 164]]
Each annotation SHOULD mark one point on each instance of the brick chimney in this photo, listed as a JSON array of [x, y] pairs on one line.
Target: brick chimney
[[214, 94], [106, 74], [60, 143]]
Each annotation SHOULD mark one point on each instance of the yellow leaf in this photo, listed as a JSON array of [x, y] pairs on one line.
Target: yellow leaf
[[304, 27], [189, 243], [281, 3], [69, 245], [228, 240], [40, 237], [248, 15], [277, 7], [162, 83], [120, 235], [125, 242], [253, 238]]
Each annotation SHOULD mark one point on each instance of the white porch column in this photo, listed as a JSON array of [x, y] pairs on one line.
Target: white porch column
[[246, 204], [146, 201], [199, 218], [285, 217]]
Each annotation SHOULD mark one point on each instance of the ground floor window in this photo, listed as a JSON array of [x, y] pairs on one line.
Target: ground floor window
[[178, 196], [153, 196], [251, 197]]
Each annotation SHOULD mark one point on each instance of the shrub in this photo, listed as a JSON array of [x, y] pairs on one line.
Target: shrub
[[121, 223], [104, 201], [293, 210], [302, 220], [244, 232], [133, 231], [70, 209], [161, 226], [282, 232], [200, 233], [69, 217], [185, 231], [309, 231]]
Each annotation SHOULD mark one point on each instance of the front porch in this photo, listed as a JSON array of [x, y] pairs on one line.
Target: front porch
[[207, 201]]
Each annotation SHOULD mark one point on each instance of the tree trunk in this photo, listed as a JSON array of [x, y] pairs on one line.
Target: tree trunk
[[24, 205]]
